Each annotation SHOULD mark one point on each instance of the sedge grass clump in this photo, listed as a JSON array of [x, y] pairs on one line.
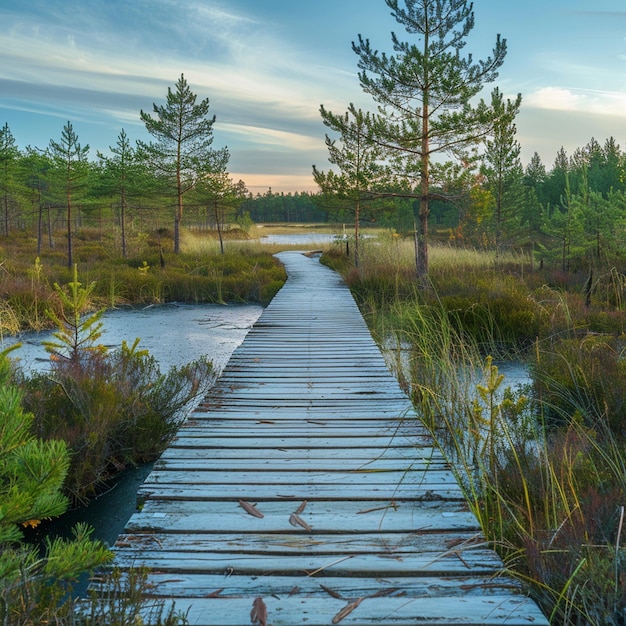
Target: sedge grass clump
[[25, 296], [492, 305], [124, 598], [150, 273], [560, 522], [583, 379], [549, 501], [495, 311]]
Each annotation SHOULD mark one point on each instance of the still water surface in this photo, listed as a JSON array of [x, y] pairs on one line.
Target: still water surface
[[300, 239], [174, 334]]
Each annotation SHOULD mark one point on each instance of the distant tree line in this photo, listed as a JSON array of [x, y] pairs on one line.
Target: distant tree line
[[284, 207]]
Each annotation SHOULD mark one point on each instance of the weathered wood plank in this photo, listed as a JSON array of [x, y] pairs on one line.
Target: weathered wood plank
[[396, 545], [303, 463], [231, 585], [379, 565], [354, 478], [408, 456], [295, 491], [250, 438], [514, 610], [348, 516]]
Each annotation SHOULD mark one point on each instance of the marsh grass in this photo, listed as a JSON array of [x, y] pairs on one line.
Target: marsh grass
[[543, 467], [120, 598], [151, 273], [116, 598], [548, 500]]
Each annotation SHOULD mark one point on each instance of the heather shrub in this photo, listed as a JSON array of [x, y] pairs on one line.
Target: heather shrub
[[113, 409]]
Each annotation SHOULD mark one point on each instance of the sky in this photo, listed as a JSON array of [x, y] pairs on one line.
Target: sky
[[267, 66]]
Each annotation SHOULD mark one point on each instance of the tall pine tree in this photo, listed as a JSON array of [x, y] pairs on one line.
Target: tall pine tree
[[182, 152], [70, 160], [357, 159], [501, 164], [124, 177], [425, 91], [8, 165]]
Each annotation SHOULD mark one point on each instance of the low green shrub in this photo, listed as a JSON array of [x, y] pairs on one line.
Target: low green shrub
[[32, 474], [113, 408]]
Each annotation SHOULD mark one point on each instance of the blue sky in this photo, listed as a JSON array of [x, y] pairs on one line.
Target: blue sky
[[267, 65]]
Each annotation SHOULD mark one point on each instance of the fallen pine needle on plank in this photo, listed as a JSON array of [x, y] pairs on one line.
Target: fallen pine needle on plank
[[296, 520], [324, 567], [347, 610], [250, 509], [258, 615], [332, 592]]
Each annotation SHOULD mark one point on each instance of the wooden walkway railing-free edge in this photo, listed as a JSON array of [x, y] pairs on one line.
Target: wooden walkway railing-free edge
[[304, 491]]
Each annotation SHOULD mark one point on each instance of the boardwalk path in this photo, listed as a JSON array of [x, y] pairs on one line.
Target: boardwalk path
[[304, 480]]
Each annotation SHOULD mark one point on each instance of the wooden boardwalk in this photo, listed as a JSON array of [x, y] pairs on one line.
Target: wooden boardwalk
[[304, 487]]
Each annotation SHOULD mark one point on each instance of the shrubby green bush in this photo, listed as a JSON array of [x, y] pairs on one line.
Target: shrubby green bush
[[33, 586], [114, 409]]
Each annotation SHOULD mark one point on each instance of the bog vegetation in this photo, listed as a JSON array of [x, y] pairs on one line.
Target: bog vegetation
[[543, 466]]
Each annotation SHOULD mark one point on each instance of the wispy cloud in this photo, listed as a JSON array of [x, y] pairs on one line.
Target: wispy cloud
[[578, 100], [94, 53], [271, 137]]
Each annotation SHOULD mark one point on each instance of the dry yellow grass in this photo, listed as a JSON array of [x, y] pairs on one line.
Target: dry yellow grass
[[388, 249]]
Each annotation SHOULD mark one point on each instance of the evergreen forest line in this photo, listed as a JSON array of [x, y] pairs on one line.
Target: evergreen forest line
[[569, 216]]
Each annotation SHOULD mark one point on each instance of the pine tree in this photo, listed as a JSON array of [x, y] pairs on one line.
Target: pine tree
[[71, 164], [76, 335], [502, 166], [357, 159], [8, 165], [221, 196], [182, 153], [425, 92], [36, 170], [124, 177]]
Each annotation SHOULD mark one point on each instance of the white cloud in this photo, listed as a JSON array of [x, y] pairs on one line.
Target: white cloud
[[578, 100], [272, 137], [554, 98]]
